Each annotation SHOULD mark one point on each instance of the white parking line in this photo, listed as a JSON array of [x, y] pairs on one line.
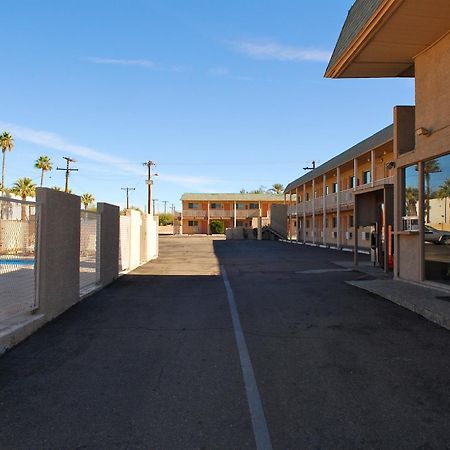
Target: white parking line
[[320, 271], [260, 430]]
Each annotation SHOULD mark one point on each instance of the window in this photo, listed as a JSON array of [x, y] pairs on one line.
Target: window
[[335, 188], [350, 221], [193, 223], [253, 206], [334, 222], [193, 205], [307, 196], [307, 223], [366, 177], [326, 222], [239, 223], [351, 182], [327, 190], [240, 206], [216, 205]]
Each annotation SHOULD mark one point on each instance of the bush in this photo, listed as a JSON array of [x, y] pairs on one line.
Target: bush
[[217, 227], [165, 219]]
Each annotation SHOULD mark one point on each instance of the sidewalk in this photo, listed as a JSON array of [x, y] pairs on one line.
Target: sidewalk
[[427, 301]]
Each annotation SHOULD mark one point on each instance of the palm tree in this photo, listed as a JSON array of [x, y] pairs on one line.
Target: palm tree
[[277, 188], [6, 143], [412, 196], [431, 166], [24, 187], [44, 164], [87, 199], [57, 188], [444, 189]]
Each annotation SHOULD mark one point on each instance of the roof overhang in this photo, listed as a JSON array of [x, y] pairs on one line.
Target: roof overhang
[[381, 38]]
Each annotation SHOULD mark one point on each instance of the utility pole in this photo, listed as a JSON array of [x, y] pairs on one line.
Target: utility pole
[[165, 206], [154, 200], [149, 165], [68, 169], [128, 189]]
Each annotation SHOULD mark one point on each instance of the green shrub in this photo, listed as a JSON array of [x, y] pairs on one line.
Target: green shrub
[[165, 219], [217, 227]]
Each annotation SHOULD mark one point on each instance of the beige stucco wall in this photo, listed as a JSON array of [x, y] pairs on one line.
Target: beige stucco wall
[[433, 99]]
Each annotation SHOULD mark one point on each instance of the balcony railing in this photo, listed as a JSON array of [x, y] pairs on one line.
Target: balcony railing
[[244, 213], [387, 180], [194, 213], [331, 201], [220, 213]]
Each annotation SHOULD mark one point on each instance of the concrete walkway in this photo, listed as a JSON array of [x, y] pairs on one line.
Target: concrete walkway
[[153, 361]]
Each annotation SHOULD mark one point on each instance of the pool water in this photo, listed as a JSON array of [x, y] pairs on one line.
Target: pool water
[[17, 262]]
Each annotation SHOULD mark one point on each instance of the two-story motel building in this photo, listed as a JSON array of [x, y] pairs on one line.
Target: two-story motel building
[[234, 210], [394, 38], [321, 204]]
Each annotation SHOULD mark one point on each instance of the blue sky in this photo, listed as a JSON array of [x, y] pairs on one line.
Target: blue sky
[[223, 95]]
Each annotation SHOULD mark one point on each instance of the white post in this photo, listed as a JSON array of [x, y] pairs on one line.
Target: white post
[[234, 219], [338, 207], [324, 239], [314, 210], [207, 225], [355, 173], [372, 167], [259, 222], [304, 213]]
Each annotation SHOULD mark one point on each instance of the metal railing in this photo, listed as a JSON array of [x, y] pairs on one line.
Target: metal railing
[[88, 249], [18, 225]]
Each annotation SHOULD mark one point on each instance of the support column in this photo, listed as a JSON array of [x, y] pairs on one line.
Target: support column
[[290, 216], [355, 173], [398, 226], [314, 210], [355, 223], [259, 222], [297, 212], [372, 167], [304, 213], [207, 223], [324, 238], [338, 207], [421, 217], [234, 215]]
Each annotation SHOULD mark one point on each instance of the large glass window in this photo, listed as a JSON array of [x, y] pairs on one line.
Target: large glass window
[[436, 211], [411, 199]]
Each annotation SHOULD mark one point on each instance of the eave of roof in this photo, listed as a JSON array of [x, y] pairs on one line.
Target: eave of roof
[[232, 197], [378, 139]]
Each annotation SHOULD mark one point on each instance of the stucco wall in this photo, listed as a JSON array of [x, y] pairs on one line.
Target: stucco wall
[[433, 99]]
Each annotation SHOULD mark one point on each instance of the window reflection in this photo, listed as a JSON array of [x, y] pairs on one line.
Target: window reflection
[[437, 218], [411, 199]]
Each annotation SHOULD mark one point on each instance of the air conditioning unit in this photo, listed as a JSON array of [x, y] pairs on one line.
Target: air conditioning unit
[[348, 235], [365, 235], [334, 234]]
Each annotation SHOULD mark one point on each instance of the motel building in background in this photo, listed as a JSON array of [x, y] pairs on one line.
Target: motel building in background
[[410, 185], [234, 210]]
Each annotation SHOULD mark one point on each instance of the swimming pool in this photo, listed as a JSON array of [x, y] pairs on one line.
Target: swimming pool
[[16, 262]]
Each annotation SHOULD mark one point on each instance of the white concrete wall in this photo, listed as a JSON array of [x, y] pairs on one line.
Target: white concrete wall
[[134, 238]]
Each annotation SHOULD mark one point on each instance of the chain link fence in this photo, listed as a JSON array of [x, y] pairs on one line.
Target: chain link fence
[[89, 224], [18, 225]]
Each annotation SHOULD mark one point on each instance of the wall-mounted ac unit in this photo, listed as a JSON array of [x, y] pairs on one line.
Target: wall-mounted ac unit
[[348, 235], [365, 235], [334, 234]]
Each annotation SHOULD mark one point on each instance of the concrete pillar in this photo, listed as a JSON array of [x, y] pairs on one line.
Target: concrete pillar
[[304, 213], [314, 211], [135, 238], [421, 217], [234, 215], [58, 251], [324, 230], [355, 237], [338, 207], [398, 225], [108, 242], [207, 223]]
